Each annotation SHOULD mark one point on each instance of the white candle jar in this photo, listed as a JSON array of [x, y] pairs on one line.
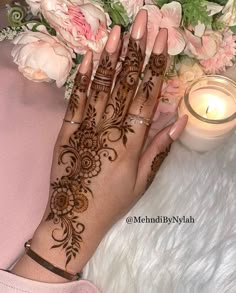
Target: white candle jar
[[210, 104]]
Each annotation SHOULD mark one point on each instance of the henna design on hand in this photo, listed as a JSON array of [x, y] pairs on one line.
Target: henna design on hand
[[156, 164], [82, 159], [127, 82], [156, 67], [81, 84], [103, 78]]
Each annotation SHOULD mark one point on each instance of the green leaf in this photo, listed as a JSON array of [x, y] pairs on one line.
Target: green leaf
[[195, 11], [34, 28], [160, 3], [78, 59], [233, 29], [117, 13]]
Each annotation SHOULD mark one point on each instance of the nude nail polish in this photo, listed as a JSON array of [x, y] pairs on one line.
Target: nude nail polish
[[113, 40], [161, 41], [140, 25], [86, 62], [178, 127]]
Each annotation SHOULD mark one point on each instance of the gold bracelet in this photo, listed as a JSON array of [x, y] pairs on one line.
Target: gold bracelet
[[47, 265]]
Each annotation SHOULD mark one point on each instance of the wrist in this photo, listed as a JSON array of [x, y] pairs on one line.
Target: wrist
[[44, 245]]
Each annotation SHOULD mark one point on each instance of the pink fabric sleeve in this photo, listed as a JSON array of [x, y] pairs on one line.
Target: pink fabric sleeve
[[10, 283], [30, 118]]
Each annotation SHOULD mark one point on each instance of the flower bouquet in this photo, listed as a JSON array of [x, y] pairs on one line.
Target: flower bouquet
[[51, 36]]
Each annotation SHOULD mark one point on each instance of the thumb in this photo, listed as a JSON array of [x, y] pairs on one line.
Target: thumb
[[156, 153]]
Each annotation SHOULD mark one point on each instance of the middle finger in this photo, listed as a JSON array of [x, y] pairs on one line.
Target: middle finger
[[127, 80], [102, 83]]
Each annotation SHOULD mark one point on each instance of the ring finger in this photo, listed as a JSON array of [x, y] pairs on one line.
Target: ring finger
[[77, 102], [145, 102]]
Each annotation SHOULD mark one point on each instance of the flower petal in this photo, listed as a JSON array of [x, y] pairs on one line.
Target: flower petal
[[213, 8], [199, 29], [172, 15], [209, 47], [153, 26], [176, 42]]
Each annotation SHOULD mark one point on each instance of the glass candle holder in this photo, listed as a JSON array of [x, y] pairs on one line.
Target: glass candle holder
[[210, 104]]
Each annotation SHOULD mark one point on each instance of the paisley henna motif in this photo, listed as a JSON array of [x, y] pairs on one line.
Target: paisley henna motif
[[156, 164]]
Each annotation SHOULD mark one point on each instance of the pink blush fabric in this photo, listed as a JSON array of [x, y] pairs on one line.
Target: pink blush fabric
[[10, 283], [30, 118]]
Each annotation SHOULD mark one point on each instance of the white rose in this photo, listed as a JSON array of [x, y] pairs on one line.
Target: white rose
[[34, 5], [41, 57]]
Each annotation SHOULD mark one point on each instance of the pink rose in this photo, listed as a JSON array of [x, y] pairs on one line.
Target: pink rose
[[81, 26], [34, 5], [41, 57]]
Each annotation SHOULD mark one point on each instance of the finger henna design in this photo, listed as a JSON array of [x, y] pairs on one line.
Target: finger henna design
[[103, 79], [156, 67], [156, 164], [80, 86], [104, 74], [127, 81]]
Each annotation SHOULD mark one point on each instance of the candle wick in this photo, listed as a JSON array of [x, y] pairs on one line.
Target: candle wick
[[207, 110]]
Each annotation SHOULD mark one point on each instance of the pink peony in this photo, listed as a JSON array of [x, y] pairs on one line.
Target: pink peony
[[82, 26], [224, 56], [169, 17], [41, 57]]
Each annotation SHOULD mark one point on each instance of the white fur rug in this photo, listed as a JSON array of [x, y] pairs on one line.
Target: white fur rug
[[186, 258]]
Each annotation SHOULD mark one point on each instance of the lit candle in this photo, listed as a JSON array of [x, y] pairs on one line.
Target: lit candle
[[210, 104]]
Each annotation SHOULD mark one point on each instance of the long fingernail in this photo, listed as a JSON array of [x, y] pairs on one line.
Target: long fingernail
[[178, 127], [113, 40], [86, 62], [161, 41], [140, 25]]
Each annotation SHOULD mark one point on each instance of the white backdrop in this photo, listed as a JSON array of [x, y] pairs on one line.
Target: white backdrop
[[186, 258]]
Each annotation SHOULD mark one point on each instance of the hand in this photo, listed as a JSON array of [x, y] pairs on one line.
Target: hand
[[100, 167]]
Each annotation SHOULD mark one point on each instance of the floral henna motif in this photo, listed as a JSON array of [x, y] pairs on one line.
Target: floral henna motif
[[82, 158], [156, 164], [126, 85], [80, 86], [64, 202], [88, 146], [156, 67]]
